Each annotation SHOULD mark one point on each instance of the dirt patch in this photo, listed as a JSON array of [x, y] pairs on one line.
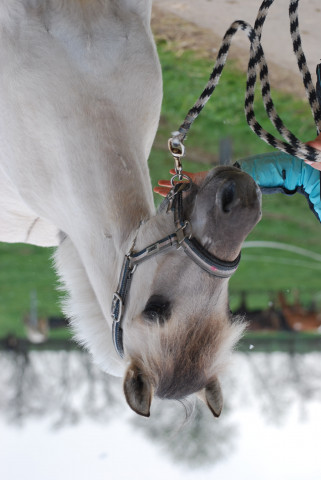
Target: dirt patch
[[185, 35]]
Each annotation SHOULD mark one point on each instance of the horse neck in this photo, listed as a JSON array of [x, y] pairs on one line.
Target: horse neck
[[112, 219], [104, 214]]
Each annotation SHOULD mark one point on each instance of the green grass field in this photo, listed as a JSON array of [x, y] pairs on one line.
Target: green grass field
[[24, 269]]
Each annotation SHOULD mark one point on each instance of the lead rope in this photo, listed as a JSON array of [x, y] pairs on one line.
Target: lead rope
[[257, 61]]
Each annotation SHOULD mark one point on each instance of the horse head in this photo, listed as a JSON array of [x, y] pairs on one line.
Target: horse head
[[179, 335]]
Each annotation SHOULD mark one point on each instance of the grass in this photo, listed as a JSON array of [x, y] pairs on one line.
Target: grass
[[262, 272], [25, 269]]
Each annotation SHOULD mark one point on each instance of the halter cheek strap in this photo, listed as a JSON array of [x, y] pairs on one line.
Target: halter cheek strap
[[181, 238]]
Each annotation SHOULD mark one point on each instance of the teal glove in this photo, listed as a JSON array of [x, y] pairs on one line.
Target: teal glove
[[280, 172]]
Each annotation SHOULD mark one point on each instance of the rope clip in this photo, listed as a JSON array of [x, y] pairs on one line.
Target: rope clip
[[177, 149]]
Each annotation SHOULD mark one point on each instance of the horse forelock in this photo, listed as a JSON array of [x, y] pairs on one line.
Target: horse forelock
[[181, 360]]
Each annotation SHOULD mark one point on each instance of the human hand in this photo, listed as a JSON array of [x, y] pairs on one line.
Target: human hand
[[317, 145], [165, 185]]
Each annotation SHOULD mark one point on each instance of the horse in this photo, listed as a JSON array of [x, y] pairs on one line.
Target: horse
[[81, 92], [260, 320], [298, 318]]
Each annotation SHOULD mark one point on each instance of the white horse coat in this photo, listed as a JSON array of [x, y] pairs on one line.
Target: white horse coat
[[80, 98], [81, 94]]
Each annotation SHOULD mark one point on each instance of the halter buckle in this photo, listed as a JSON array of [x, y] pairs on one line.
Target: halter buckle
[[181, 234], [116, 298]]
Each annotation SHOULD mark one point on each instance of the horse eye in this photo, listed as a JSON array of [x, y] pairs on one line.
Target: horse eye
[[157, 309]]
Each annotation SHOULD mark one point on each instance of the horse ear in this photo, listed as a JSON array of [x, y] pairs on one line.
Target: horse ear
[[138, 391], [212, 396]]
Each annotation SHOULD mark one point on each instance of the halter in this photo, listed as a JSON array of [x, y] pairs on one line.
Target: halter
[[181, 238]]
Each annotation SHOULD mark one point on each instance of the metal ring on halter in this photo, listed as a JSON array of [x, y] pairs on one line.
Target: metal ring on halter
[[180, 177]]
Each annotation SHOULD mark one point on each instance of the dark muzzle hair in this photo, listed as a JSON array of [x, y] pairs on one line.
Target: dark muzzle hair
[[185, 360]]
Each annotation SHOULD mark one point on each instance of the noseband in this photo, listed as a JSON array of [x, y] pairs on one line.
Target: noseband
[[181, 238]]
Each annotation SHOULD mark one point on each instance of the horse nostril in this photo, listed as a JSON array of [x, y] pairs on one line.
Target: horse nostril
[[227, 196]]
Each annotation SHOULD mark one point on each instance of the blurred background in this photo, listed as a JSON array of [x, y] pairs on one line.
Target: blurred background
[[60, 416]]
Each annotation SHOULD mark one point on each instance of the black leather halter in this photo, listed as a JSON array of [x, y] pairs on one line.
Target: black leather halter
[[181, 238]]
